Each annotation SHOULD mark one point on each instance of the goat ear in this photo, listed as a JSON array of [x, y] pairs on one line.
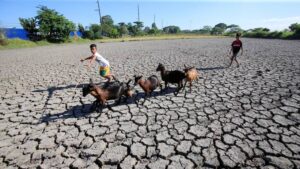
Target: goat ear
[[184, 66]]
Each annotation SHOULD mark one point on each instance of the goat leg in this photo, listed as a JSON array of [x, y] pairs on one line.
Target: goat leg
[[184, 84], [166, 85], [119, 101], [160, 86], [145, 98], [109, 107], [94, 104]]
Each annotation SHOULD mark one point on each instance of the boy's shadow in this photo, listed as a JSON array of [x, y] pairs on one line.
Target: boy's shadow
[[211, 68]]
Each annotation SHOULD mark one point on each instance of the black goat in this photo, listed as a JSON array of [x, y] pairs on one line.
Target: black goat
[[175, 76]]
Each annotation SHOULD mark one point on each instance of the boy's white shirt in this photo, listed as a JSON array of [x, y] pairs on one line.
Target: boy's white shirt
[[101, 60]]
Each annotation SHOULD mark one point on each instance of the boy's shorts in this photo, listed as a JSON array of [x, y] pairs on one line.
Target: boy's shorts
[[104, 70], [234, 55]]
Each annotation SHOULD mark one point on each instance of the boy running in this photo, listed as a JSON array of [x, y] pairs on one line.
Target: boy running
[[235, 48], [104, 68]]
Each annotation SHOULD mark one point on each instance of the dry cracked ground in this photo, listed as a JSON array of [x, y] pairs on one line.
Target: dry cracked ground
[[246, 117]]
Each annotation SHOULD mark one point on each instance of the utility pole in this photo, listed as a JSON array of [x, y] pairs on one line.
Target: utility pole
[[138, 12], [154, 19], [99, 12], [99, 17]]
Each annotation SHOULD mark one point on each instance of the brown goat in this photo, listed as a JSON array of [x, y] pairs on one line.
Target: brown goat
[[149, 84], [191, 74], [111, 92]]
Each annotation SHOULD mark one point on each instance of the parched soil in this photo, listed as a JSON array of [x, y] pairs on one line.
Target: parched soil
[[246, 117]]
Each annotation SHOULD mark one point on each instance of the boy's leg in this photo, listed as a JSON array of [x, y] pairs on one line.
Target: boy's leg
[[233, 58], [109, 78], [238, 65]]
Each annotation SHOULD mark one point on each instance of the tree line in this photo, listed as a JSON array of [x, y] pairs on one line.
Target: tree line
[[54, 27]]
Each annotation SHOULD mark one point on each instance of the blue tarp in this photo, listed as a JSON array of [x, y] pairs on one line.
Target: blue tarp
[[11, 33]]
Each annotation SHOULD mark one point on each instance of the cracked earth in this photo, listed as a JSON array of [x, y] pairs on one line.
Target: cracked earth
[[246, 117]]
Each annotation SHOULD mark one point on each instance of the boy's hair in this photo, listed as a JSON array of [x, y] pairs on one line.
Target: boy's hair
[[238, 34], [93, 45]]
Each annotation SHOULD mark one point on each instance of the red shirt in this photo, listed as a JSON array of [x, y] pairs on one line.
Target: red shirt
[[236, 46]]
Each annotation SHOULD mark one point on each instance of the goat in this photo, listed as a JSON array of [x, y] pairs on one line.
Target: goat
[[175, 76], [148, 85], [109, 92], [191, 74]]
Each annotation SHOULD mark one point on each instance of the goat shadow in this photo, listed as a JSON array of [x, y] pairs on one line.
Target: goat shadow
[[86, 109], [75, 112], [51, 90], [168, 90]]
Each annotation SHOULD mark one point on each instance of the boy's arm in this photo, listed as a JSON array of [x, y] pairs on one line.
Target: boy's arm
[[88, 58], [230, 50], [92, 59], [242, 50]]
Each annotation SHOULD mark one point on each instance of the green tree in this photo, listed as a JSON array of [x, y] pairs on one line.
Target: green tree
[[131, 29], [81, 28], [147, 29], [295, 27], [96, 31], [48, 24], [107, 19], [154, 29], [30, 25], [122, 29], [106, 29], [114, 33], [137, 28], [205, 30], [153, 26], [52, 25], [233, 29], [171, 29], [219, 29]]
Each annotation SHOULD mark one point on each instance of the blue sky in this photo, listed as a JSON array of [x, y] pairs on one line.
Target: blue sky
[[190, 14]]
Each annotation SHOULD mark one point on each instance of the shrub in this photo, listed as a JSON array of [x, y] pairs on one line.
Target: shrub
[[3, 40]]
